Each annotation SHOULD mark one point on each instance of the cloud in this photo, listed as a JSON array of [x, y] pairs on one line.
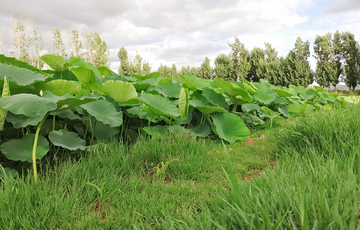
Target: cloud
[[342, 6]]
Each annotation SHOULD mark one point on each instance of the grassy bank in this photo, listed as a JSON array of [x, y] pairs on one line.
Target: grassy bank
[[313, 184]]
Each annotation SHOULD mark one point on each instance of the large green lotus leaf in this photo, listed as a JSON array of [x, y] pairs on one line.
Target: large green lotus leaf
[[27, 104], [319, 89], [179, 121], [141, 78], [249, 87], [106, 72], [250, 107], [196, 102], [170, 90], [283, 93], [165, 80], [56, 62], [296, 89], [280, 100], [120, 91], [160, 105], [308, 94], [210, 109], [103, 131], [230, 127], [66, 75], [60, 87], [19, 120], [300, 109], [105, 112], [266, 84], [192, 82], [202, 130], [265, 96], [259, 85], [143, 85], [21, 76], [184, 103], [234, 90], [73, 102], [326, 96], [67, 140], [115, 78], [284, 110], [136, 112], [215, 98], [21, 149], [87, 77]]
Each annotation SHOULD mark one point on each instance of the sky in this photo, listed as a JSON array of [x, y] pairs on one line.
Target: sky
[[184, 32]]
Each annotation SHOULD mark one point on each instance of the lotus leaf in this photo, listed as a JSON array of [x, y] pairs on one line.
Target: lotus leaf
[[230, 127], [105, 112], [67, 140], [120, 91]]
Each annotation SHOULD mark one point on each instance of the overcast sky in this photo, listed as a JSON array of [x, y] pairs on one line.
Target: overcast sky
[[184, 32]]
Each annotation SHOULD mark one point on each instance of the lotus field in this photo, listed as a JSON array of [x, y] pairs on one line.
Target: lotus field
[[75, 103]]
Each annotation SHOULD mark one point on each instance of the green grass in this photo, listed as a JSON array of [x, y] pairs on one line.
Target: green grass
[[314, 184], [110, 186]]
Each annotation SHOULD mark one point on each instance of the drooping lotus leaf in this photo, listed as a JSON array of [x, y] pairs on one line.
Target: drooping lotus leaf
[[67, 140], [87, 77], [120, 91], [210, 109], [56, 62], [284, 110], [178, 130], [105, 112], [19, 120], [203, 130], [266, 84], [249, 87], [179, 121], [296, 89], [196, 102], [259, 85], [184, 103], [215, 98], [103, 131], [283, 93], [265, 97], [69, 114], [319, 89], [308, 94], [73, 102], [21, 149], [157, 130], [230, 127], [326, 96], [165, 80], [144, 84], [160, 105], [22, 76], [61, 87], [250, 107], [234, 90], [114, 78], [136, 112], [27, 104]]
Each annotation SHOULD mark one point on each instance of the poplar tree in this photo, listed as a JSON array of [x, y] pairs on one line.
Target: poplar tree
[[173, 70], [35, 37], [164, 71], [124, 69], [206, 71], [351, 55], [224, 67], [2, 45], [18, 38], [185, 70], [195, 71], [57, 46], [240, 57], [75, 42], [257, 54]]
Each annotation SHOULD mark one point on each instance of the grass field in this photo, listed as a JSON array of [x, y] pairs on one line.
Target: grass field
[[300, 174]]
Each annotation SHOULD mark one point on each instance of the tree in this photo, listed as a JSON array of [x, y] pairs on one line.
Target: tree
[[206, 71], [2, 45], [18, 39], [164, 70], [351, 55], [146, 68], [257, 54], [36, 38], [195, 71], [173, 70], [224, 67], [241, 60], [326, 73], [124, 69], [75, 43], [96, 50], [270, 53], [185, 70], [57, 46]]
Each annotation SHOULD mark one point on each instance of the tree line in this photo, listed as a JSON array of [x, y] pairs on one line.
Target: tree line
[[337, 57]]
